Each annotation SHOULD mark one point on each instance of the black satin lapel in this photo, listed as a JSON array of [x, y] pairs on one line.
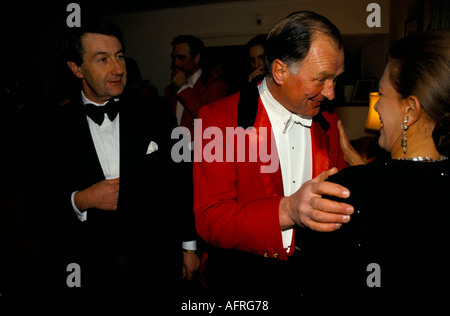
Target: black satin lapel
[[248, 105], [132, 142], [86, 147], [323, 123]]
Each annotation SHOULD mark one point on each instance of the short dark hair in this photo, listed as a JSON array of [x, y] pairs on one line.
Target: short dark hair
[[259, 39], [196, 46], [72, 48], [420, 67], [290, 39]]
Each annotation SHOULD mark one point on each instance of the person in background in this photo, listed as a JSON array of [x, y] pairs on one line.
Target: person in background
[[191, 87], [256, 55], [135, 83]]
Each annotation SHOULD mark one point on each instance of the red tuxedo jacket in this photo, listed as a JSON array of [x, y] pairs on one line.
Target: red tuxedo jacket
[[236, 206], [194, 98]]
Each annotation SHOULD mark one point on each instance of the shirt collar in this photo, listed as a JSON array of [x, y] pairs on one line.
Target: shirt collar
[[193, 79], [85, 100], [278, 114]]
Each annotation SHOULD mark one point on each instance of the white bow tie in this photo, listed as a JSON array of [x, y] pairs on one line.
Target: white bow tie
[[295, 119]]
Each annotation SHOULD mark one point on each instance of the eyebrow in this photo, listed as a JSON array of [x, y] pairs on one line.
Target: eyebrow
[[327, 74], [178, 56], [105, 53]]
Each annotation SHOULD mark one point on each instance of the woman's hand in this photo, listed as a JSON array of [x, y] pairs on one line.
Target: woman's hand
[[351, 156]]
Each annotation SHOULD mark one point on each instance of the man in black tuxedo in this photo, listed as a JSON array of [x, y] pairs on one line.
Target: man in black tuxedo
[[114, 206]]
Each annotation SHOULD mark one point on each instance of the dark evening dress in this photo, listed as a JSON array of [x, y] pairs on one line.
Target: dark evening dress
[[401, 224]]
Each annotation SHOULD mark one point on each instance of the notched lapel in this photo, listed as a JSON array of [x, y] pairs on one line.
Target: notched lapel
[[83, 145], [251, 112], [320, 144], [270, 171]]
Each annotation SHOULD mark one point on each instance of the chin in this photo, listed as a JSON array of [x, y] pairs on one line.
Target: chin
[[313, 112], [116, 92], [382, 144]]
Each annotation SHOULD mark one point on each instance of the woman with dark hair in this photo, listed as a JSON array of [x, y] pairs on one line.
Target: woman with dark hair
[[397, 239], [255, 48]]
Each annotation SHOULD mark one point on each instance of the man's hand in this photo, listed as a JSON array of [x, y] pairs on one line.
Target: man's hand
[[179, 78], [306, 207], [351, 156], [191, 263], [102, 195], [256, 72]]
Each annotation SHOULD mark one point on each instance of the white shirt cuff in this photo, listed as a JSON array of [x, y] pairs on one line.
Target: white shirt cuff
[[287, 238], [81, 216], [189, 245]]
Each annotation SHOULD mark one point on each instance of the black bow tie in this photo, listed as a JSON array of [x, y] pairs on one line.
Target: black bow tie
[[97, 113]]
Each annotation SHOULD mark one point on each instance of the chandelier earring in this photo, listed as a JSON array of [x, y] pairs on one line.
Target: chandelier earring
[[404, 128]]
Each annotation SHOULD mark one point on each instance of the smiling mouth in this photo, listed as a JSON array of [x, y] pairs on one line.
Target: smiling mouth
[[315, 102]]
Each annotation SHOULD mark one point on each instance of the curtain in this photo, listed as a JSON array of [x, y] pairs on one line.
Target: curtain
[[440, 15]]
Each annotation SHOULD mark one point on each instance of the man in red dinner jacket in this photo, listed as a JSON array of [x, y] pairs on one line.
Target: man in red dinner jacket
[[191, 86], [247, 214]]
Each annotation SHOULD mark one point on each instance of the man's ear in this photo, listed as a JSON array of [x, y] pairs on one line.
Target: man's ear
[[413, 109], [75, 69], [279, 71], [197, 59]]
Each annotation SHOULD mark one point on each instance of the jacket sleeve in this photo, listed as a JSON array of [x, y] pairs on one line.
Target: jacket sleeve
[[221, 218]]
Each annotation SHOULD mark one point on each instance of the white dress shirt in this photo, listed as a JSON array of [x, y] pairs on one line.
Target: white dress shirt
[[180, 107], [293, 140], [190, 84], [107, 146]]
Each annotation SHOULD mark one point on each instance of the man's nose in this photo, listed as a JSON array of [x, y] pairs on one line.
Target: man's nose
[[117, 67], [328, 90], [259, 63]]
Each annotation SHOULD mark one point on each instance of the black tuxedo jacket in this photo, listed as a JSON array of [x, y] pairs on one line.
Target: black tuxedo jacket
[[154, 211]]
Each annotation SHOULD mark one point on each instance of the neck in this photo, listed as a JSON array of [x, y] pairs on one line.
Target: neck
[[189, 75], [420, 144], [93, 97], [273, 89]]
